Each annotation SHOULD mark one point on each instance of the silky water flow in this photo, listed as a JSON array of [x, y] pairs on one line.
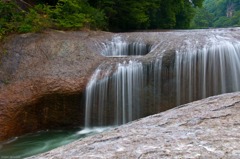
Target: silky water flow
[[154, 78], [117, 94]]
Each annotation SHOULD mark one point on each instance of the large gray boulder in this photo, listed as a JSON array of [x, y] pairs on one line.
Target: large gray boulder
[[208, 128]]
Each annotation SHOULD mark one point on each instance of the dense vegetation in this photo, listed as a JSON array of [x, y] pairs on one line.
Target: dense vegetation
[[66, 14], [113, 15], [217, 13], [147, 14]]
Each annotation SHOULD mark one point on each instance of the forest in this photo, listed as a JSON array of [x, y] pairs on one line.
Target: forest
[[110, 15], [115, 15], [217, 13]]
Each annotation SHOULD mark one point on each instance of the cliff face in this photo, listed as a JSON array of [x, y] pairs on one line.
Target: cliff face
[[42, 79]]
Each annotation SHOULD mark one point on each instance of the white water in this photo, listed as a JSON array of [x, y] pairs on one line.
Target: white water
[[119, 46], [120, 93], [126, 91], [115, 97], [208, 71]]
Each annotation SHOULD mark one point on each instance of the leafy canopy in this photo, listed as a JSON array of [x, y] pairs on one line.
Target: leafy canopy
[[113, 15], [217, 13], [147, 14]]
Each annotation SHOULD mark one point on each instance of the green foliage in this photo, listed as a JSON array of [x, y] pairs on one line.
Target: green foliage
[[125, 15], [202, 19], [67, 14], [217, 13], [76, 14], [143, 14], [36, 19], [10, 17], [14, 19], [119, 15]]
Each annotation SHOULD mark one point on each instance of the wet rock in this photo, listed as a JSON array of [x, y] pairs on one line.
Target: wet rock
[[208, 128]]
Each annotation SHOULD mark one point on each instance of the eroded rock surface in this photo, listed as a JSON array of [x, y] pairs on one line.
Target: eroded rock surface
[[208, 128], [42, 79]]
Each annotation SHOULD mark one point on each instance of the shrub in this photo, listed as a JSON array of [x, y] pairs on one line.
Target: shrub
[[11, 16], [36, 19], [76, 14], [67, 14]]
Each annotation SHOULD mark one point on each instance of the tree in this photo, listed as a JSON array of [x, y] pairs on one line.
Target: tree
[[202, 19], [11, 15], [143, 14], [225, 13], [125, 14], [113, 15]]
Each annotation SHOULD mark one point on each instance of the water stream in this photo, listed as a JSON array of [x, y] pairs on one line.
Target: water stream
[[172, 69], [42, 141], [137, 87]]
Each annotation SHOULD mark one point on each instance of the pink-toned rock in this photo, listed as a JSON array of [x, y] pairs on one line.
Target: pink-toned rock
[[42, 79]]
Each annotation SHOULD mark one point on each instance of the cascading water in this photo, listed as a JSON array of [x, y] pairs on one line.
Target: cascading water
[[126, 91], [121, 47], [117, 96], [179, 67], [208, 71]]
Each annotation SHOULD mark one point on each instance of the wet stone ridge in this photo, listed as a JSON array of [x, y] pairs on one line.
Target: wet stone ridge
[[208, 128]]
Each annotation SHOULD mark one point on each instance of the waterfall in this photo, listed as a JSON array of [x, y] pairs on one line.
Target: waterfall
[[207, 72], [121, 47], [125, 91], [116, 97]]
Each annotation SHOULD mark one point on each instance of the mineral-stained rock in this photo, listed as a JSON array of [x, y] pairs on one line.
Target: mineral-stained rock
[[208, 128]]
